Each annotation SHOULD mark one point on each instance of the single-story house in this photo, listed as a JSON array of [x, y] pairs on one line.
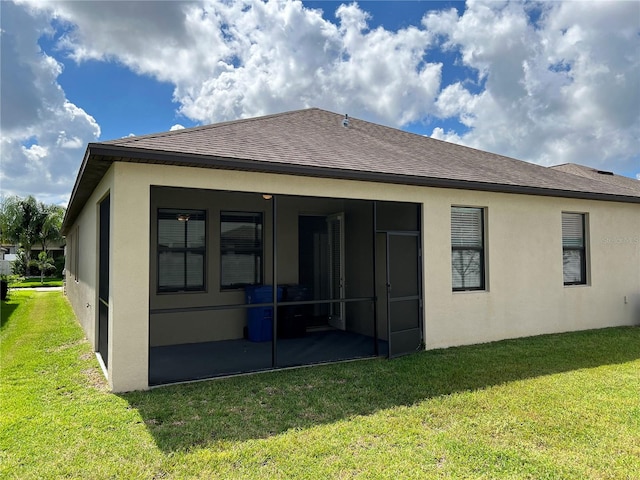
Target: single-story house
[[9, 253], [379, 242]]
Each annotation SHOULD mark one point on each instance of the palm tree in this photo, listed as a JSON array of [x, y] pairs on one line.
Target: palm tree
[[50, 232], [44, 263], [27, 222], [22, 220]]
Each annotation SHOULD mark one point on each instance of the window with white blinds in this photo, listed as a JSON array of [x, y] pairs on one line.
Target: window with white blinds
[[574, 262], [70, 267], [76, 263], [181, 250], [467, 248], [241, 249]]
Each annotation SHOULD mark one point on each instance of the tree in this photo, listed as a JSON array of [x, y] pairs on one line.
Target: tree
[[27, 222], [19, 266], [44, 264], [50, 232]]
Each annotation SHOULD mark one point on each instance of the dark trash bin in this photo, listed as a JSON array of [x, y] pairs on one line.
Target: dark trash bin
[[260, 319], [292, 319]]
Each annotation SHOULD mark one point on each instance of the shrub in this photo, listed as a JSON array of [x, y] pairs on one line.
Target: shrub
[[20, 266], [59, 264]]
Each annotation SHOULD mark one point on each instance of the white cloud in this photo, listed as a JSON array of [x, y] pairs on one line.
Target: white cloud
[[449, 136], [245, 58], [64, 141], [564, 90], [175, 127], [35, 152], [561, 90], [39, 157]]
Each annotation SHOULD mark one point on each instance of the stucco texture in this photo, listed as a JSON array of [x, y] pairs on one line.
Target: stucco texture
[[525, 294]]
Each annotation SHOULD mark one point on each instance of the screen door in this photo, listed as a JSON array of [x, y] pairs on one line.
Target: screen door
[[103, 282], [404, 299]]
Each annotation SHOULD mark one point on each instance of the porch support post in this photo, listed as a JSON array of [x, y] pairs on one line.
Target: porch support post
[[274, 271], [374, 212], [129, 273]]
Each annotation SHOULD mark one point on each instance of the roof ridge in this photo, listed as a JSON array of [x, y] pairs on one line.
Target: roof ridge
[[590, 168], [210, 126], [600, 181]]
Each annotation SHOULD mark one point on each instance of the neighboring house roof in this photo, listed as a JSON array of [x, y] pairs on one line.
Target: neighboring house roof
[[314, 142], [600, 175]]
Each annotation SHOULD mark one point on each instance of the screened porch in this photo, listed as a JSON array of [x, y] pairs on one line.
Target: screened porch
[[348, 276]]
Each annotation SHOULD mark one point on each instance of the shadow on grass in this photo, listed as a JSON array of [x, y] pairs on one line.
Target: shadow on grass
[[259, 406], [6, 310]]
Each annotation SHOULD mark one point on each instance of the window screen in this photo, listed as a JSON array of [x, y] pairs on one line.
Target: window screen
[[181, 250], [467, 248], [70, 252], [241, 249], [76, 263], [573, 249]]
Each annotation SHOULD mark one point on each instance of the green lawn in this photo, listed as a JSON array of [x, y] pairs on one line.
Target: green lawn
[[30, 282], [557, 407]]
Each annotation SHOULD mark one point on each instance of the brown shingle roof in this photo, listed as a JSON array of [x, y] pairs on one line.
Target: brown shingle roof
[[600, 175], [315, 142]]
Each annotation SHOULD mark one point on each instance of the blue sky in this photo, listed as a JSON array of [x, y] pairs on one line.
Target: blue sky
[[150, 105], [550, 82]]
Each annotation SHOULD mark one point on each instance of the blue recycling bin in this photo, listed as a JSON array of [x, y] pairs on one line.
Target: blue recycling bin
[[260, 319]]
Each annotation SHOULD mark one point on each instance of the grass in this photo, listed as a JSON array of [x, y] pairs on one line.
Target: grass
[[558, 406], [30, 282]]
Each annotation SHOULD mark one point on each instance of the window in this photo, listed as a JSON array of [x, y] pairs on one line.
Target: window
[[181, 250], [69, 254], [76, 263], [574, 262], [241, 243], [467, 248]]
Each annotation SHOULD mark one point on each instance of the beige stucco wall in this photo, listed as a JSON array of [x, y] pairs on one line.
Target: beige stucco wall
[[525, 294], [82, 293], [129, 282], [129, 286]]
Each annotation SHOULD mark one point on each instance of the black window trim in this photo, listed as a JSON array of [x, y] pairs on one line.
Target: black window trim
[[185, 250], [260, 270], [582, 249], [76, 255], [482, 286]]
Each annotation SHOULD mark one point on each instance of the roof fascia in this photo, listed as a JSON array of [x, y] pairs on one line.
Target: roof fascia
[[67, 216], [114, 153], [150, 156]]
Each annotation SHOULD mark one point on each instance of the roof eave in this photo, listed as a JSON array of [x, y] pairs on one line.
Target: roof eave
[[204, 161], [111, 153], [67, 221]]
